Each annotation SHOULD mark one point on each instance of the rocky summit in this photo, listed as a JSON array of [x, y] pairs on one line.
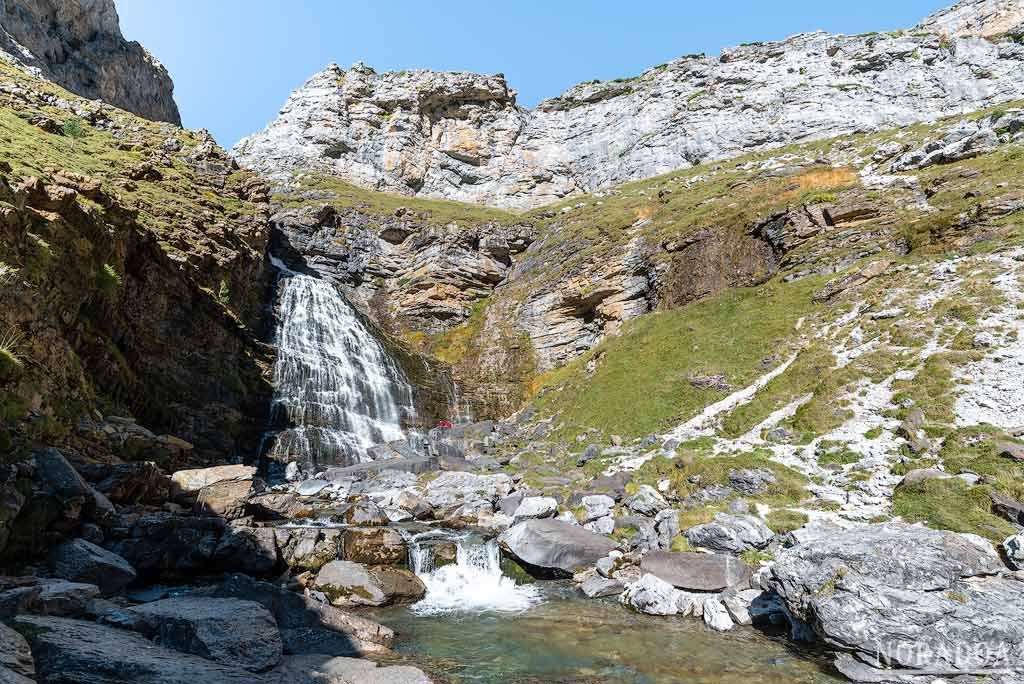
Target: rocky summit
[[711, 374]]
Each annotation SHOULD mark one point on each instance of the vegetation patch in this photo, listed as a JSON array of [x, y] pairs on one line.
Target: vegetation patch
[[951, 504]]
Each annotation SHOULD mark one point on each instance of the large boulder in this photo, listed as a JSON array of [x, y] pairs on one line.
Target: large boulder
[[730, 534], [697, 571], [347, 584], [156, 543], [81, 561], [278, 506], [647, 501], [247, 549], [68, 650], [903, 601], [374, 546], [131, 483], [533, 507], [307, 625], [230, 631], [64, 598], [553, 547], [652, 596], [308, 548], [16, 664], [453, 488], [226, 499], [191, 481], [1014, 550]]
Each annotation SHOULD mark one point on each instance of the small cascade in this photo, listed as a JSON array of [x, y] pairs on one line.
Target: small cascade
[[473, 583], [337, 390]]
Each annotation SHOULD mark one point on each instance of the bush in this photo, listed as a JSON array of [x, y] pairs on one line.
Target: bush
[[108, 281], [73, 129], [10, 362]]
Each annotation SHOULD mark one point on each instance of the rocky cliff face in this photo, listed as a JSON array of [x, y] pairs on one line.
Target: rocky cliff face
[[462, 136], [978, 18], [78, 44]]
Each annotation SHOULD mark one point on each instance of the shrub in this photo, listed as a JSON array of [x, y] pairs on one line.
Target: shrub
[[224, 292], [108, 281], [73, 129]]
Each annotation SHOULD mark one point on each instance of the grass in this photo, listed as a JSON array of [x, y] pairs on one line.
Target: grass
[[641, 384], [108, 281], [11, 363], [951, 504], [784, 520]]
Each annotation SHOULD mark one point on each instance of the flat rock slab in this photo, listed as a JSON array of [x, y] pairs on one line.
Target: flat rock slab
[[196, 479], [554, 545], [231, 631], [697, 571], [327, 669], [905, 594], [83, 652]]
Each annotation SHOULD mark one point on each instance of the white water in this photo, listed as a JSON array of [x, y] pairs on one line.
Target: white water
[[474, 583], [336, 389]]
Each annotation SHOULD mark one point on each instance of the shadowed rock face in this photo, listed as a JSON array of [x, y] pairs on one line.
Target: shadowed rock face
[[462, 136], [78, 44]]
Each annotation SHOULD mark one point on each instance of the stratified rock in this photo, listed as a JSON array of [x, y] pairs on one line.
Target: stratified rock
[[82, 49], [308, 548], [351, 584], [16, 664], [553, 546], [981, 18], [596, 586], [366, 513], [897, 596], [81, 561], [453, 488], [226, 499], [309, 626], [60, 597], [534, 507], [651, 595], [1014, 549], [227, 630], [715, 615], [697, 571], [731, 534], [647, 501], [87, 653]]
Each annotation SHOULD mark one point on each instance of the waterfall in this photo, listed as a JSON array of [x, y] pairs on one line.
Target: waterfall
[[337, 390], [473, 583]]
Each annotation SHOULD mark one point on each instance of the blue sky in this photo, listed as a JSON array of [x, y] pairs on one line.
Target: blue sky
[[234, 62]]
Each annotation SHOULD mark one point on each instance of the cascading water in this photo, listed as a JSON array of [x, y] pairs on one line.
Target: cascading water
[[473, 583], [336, 389]]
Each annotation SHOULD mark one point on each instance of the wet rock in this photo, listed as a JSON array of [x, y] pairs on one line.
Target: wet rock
[[534, 507], [317, 668], [365, 513], [552, 547], [894, 595], [351, 584], [697, 571], [68, 650], [647, 501], [373, 546], [81, 561], [189, 481], [596, 586], [751, 481], [731, 534], [226, 630], [16, 663], [307, 625]]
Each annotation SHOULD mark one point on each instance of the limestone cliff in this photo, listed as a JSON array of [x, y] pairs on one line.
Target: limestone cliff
[[463, 136], [78, 44], [978, 18]]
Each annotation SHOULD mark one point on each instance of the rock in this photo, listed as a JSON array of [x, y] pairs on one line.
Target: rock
[[533, 507], [589, 454], [731, 534], [226, 630], [417, 507], [697, 571], [16, 663], [292, 472], [166, 542], [652, 596], [226, 499], [312, 487], [647, 501], [920, 475], [715, 615], [317, 668], [81, 561], [307, 625], [278, 506], [351, 584], [738, 605], [1014, 549], [308, 548], [189, 481], [596, 586], [134, 483], [709, 494], [553, 547], [604, 526], [1011, 450], [453, 488], [895, 594], [751, 481], [1007, 507], [366, 513], [78, 651], [597, 506], [246, 549], [373, 546]]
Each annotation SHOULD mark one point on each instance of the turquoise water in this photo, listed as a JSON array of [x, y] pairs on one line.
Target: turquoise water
[[569, 639]]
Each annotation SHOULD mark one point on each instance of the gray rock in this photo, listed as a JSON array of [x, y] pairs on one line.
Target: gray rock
[[63, 598], [68, 650], [554, 547], [731, 534], [453, 488], [189, 481], [350, 584], [715, 615], [373, 546], [597, 506], [323, 669], [708, 495], [16, 664], [647, 501], [751, 480], [697, 571], [1007, 507], [227, 630], [605, 525], [1014, 549], [366, 513], [312, 487], [1011, 450], [651, 595], [246, 549], [596, 586], [592, 452], [534, 507], [897, 595], [81, 561]]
